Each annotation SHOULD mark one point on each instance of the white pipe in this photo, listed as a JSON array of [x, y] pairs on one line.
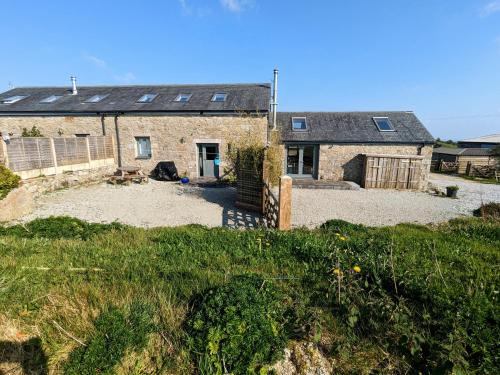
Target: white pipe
[[274, 103], [74, 91]]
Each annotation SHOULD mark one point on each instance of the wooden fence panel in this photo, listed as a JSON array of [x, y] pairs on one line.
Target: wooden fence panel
[[393, 172], [71, 150], [101, 148], [29, 153]]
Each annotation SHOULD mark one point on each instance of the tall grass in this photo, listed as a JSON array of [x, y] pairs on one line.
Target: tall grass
[[397, 299]]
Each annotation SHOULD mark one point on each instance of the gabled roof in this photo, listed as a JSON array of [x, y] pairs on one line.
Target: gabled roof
[[354, 127], [462, 151], [492, 138], [240, 97]]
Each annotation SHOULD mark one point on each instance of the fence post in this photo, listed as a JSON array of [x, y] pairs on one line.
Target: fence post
[[4, 155], [468, 169], [87, 143], [54, 157], [285, 203]]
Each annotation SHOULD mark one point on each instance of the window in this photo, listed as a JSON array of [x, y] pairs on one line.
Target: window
[[219, 97], [143, 147], [82, 135], [50, 99], [13, 99], [183, 98], [383, 124], [95, 98], [299, 124], [147, 98]]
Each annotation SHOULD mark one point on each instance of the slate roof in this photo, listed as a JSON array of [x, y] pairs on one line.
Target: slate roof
[[354, 127], [241, 97], [492, 138], [463, 151]]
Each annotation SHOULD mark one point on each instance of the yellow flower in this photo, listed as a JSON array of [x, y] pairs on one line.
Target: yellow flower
[[342, 238], [336, 271], [357, 269]]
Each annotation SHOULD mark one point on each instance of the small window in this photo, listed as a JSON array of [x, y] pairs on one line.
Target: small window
[[183, 98], [219, 97], [50, 99], [299, 124], [143, 147], [13, 99], [95, 98], [147, 98], [82, 135], [383, 124]]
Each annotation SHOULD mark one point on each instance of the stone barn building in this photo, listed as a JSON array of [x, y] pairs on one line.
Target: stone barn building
[[192, 125], [195, 125], [333, 146]]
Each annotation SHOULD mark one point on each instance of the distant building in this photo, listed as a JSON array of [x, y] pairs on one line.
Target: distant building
[[462, 156], [486, 141]]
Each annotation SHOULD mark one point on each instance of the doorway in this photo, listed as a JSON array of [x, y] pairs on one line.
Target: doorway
[[208, 160], [301, 160]]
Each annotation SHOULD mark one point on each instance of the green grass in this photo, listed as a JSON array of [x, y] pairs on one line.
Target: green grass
[[426, 298]]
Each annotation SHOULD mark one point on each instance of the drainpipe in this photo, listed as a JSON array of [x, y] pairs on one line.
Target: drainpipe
[[103, 125], [118, 143]]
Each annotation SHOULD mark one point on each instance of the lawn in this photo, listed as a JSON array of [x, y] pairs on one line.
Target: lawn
[[81, 298]]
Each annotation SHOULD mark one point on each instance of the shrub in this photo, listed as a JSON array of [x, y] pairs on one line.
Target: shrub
[[114, 334], [33, 132], [59, 227], [342, 226], [239, 327], [8, 181], [452, 188], [489, 211]]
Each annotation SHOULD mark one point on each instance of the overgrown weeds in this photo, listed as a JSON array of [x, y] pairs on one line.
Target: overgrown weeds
[[399, 299]]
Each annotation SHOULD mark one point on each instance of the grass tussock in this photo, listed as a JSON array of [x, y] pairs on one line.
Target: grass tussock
[[115, 299]]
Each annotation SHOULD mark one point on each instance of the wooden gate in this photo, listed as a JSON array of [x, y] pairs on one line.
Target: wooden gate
[[393, 172]]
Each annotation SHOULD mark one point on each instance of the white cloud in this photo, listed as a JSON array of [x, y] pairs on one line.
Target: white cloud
[[237, 6], [490, 8], [100, 63], [194, 10], [185, 7], [125, 78], [103, 65]]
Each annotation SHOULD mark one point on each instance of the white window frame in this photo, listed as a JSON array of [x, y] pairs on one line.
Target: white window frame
[[389, 122], [178, 97], [214, 97], [305, 122], [142, 99], [13, 99], [93, 98], [137, 154]]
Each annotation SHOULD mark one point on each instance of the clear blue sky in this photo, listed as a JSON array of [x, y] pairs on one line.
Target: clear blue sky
[[440, 58]]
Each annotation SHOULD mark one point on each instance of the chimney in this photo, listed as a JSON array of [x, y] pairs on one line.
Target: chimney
[[274, 103], [74, 91]]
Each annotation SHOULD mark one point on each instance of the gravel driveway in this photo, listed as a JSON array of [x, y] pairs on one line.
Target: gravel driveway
[[169, 204], [377, 207]]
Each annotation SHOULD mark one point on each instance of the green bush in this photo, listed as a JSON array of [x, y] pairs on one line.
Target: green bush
[[239, 327], [114, 333], [33, 132], [59, 227], [8, 181]]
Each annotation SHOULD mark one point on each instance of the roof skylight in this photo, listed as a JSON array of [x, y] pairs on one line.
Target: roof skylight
[[96, 98], [219, 97], [50, 99], [299, 124], [13, 99], [383, 124], [147, 98], [183, 97]]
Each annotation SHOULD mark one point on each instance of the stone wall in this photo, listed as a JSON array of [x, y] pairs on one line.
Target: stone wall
[[20, 201], [172, 137], [345, 162]]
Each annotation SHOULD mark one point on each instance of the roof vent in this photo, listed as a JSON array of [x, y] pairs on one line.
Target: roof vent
[[74, 91]]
